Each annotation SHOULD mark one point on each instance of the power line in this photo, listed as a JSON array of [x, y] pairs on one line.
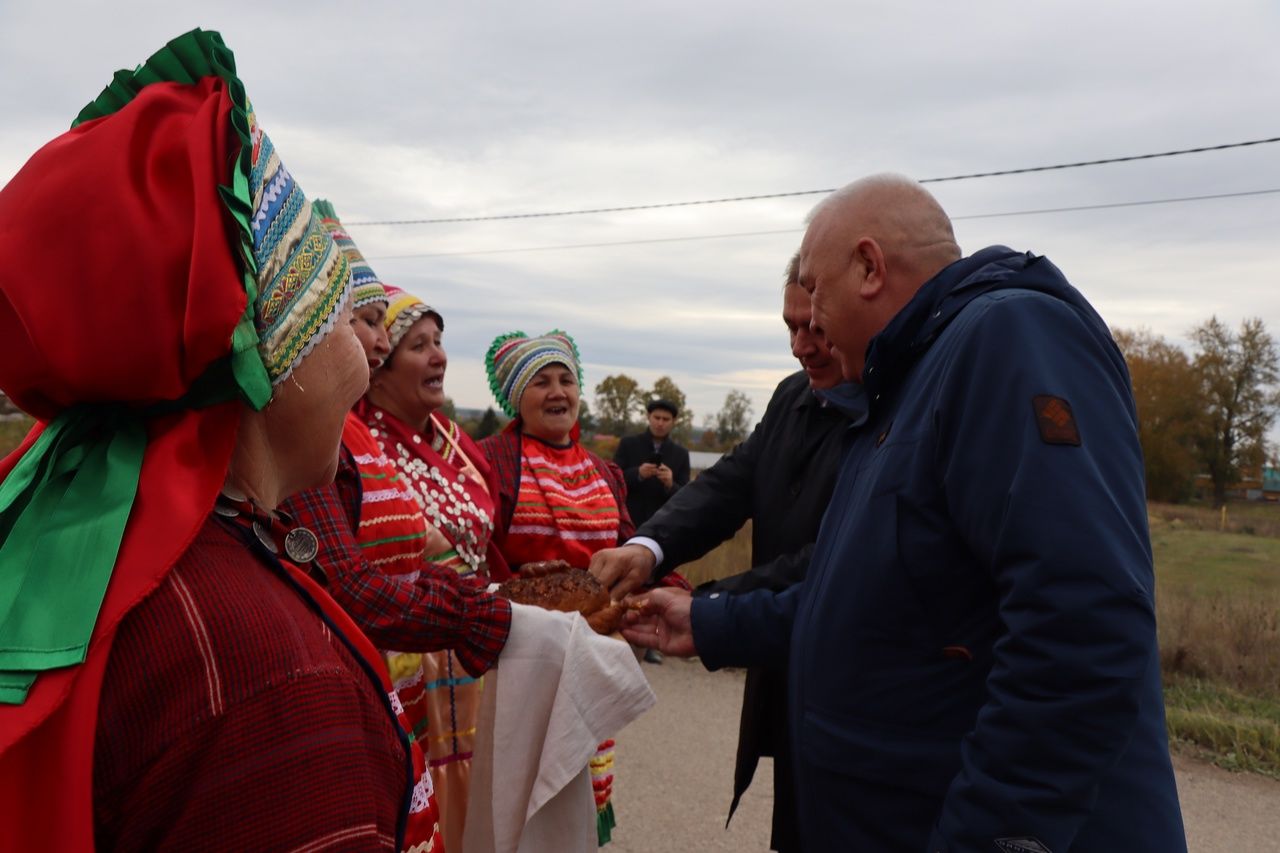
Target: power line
[[1000, 173], [697, 237]]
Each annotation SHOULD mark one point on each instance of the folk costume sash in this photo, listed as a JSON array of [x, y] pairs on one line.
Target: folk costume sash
[[565, 509]]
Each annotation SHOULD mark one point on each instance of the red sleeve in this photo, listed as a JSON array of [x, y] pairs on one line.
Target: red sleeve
[[431, 611]]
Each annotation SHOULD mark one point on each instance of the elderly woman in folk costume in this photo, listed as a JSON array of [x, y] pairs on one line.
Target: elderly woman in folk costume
[[168, 666], [556, 500], [411, 502]]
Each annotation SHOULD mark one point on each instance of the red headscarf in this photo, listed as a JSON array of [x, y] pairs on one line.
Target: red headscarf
[[128, 304]]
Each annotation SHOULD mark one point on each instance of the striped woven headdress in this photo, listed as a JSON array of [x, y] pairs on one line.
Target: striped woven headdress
[[302, 277], [366, 287], [514, 358]]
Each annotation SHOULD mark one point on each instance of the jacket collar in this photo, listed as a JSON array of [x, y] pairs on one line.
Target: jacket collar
[[913, 330]]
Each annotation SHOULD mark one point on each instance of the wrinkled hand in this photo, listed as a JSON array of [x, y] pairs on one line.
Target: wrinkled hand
[[543, 568], [665, 476], [648, 470], [622, 570], [661, 619]]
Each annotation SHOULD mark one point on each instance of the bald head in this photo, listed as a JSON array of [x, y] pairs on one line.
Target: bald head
[[899, 213], [868, 249]]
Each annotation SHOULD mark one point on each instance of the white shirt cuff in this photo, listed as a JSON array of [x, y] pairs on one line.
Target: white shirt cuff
[[654, 547]]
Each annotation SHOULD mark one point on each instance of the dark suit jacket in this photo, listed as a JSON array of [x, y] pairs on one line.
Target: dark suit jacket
[[645, 497], [781, 476]]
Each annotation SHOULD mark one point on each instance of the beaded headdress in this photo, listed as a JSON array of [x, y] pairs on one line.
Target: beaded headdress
[[403, 310]]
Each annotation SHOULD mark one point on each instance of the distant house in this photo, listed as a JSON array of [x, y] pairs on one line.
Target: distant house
[[1250, 487], [1270, 483]]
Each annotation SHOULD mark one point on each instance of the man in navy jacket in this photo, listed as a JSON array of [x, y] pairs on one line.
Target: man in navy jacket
[[973, 652]]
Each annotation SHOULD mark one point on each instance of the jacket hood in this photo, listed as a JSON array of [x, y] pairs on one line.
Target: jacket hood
[[911, 332]]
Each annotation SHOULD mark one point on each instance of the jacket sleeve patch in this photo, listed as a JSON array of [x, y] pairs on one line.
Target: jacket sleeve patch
[[1057, 423]]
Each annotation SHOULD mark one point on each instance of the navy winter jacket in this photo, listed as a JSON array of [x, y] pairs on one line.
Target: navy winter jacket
[[973, 653]]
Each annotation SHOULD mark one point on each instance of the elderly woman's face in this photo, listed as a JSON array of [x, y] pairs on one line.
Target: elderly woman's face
[[411, 384], [549, 405], [306, 414]]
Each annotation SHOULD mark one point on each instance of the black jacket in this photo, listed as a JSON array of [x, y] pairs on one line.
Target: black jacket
[[645, 497], [781, 476]]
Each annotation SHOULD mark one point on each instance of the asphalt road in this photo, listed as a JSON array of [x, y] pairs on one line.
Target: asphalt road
[[675, 778]]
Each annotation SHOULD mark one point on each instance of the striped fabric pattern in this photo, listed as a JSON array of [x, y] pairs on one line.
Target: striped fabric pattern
[[303, 278], [565, 508], [393, 531]]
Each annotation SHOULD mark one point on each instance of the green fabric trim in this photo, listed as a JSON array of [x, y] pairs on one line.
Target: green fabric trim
[[390, 539], [65, 505], [63, 513], [605, 823]]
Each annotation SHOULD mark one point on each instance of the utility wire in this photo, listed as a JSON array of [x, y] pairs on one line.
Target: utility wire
[[1024, 171], [694, 238]]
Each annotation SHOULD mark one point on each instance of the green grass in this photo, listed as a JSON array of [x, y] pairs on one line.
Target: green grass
[[1207, 564], [1229, 728]]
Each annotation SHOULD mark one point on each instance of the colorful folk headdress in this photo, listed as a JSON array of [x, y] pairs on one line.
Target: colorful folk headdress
[[201, 278], [514, 358], [366, 288], [403, 310]]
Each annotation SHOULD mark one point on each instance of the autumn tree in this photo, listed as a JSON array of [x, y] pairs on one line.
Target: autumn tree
[[733, 421], [617, 399], [1237, 375], [666, 389], [1170, 414]]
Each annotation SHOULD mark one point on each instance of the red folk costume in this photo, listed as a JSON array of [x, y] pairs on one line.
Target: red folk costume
[[554, 503], [161, 670], [437, 481]]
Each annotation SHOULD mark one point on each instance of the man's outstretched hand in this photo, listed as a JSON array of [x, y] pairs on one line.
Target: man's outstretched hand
[[622, 570], [660, 619]]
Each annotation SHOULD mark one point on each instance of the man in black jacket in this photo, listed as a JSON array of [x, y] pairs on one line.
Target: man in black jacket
[[781, 476], [654, 466]]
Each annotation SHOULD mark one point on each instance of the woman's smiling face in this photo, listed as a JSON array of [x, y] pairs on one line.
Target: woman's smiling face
[[549, 404]]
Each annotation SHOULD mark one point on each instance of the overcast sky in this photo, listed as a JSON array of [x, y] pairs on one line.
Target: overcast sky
[[435, 109]]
